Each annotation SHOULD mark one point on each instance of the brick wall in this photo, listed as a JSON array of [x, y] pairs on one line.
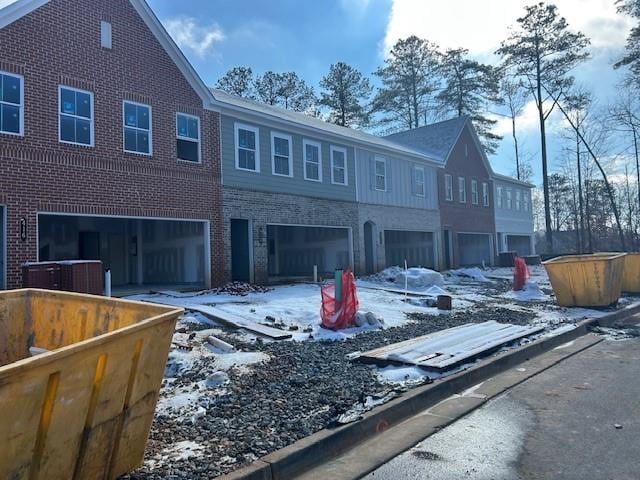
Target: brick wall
[[59, 44], [268, 208]]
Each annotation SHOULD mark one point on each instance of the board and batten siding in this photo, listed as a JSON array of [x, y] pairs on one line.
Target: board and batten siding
[[266, 181], [400, 182], [512, 220]]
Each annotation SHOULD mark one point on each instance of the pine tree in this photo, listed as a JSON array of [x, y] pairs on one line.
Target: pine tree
[[542, 51], [285, 90], [409, 83], [238, 81], [469, 87], [345, 92], [632, 57]]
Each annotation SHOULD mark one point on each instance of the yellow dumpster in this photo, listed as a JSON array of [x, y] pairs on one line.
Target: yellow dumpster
[[631, 275], [79, 381], [586, 280]]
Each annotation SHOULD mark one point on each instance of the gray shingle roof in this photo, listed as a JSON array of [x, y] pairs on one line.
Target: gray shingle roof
[[229, 100], [435, 140]]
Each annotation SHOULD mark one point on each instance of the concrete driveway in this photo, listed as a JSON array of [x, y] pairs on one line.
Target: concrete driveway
[[578, 420]]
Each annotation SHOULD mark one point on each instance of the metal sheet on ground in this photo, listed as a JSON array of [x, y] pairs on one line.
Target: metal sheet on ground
[[448, 348]]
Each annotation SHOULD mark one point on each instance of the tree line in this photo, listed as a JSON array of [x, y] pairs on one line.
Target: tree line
[[420, 83]]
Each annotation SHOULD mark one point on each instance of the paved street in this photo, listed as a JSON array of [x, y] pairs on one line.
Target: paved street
[[578, 420]]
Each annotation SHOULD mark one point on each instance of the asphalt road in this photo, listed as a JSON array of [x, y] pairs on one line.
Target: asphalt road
[[578, 420]]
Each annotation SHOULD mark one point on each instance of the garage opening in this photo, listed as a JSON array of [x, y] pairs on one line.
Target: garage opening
[[520, 244], [414, 247], [294, 250], [139, 252], [474, 248]]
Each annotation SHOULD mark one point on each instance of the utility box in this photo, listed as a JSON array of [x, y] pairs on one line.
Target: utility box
[[631, 274], [506, 259], [79, 382], [586, 280]]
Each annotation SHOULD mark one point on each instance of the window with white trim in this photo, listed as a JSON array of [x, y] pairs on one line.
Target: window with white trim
[[312, 159], [136, 125], [485, 194], [187, 137], [474, 192], [380, 175], [462, 190], [247, 147], [419, 181], [339, 165], [518, 199], [448, 187], [11, 104], [525, 203], [509, 199], [281, 158], [499, 199], [75, 116]]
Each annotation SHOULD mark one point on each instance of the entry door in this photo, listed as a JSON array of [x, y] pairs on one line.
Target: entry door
[[2, 247], [240, 255], [368, 247], [447, 249], [89, 245]]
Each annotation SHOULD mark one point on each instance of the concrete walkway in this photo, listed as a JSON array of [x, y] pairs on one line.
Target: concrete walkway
[[578, 420]]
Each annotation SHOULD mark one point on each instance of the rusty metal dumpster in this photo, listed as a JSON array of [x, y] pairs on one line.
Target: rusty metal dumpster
[[81, 409], [631, 274], [586, 280]]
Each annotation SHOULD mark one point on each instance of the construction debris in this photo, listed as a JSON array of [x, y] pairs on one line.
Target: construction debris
[[239, 288], [449, 348], [220, 344]]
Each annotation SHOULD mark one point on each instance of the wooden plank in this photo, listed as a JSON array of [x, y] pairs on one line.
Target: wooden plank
[[236, 321], [447, 348], [399, 291]]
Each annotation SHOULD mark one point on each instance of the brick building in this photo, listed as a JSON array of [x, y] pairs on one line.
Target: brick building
[[109, 146]]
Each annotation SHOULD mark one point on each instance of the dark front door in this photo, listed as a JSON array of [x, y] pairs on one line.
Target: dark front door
[[368, 247], [240, 257], [447, 249]]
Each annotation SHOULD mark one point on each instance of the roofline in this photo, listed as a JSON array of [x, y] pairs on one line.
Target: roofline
[[172, 49], [18, 9], [506, 178], [271, 117]]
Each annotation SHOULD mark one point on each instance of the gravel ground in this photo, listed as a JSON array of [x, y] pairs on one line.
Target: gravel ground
[[303, 388]]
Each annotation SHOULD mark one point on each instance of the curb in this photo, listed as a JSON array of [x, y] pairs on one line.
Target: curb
[[308, 452]]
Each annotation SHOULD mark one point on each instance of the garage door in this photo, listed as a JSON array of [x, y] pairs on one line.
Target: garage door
[[520, 244], [414, 247], [474, 248]]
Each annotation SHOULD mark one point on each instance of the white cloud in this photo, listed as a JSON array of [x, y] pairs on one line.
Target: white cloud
[[190, 35], [480, 26], [4, 3]]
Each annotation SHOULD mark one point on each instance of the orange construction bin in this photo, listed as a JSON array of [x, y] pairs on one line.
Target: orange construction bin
[[83, 407], [631, 273]]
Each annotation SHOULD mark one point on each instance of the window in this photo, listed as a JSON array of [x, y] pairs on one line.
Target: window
[[380, 175], [76, 116], [136, 123], [419, 181], [339, 165], [474, 192], [312, 158], [448, 187], [188, 137], [11, 104], [500, 200], [525, 198], [485, 194], [462, 190], [518, 199], [281, 160], [247, 151], [509, 199]]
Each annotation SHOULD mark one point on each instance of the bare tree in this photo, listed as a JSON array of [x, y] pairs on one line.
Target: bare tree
[[515, 98]]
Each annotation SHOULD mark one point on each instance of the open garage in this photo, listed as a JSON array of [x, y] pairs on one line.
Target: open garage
[[416, 248], [474, 249], [294, 250], [139, 252], [520, 244]]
